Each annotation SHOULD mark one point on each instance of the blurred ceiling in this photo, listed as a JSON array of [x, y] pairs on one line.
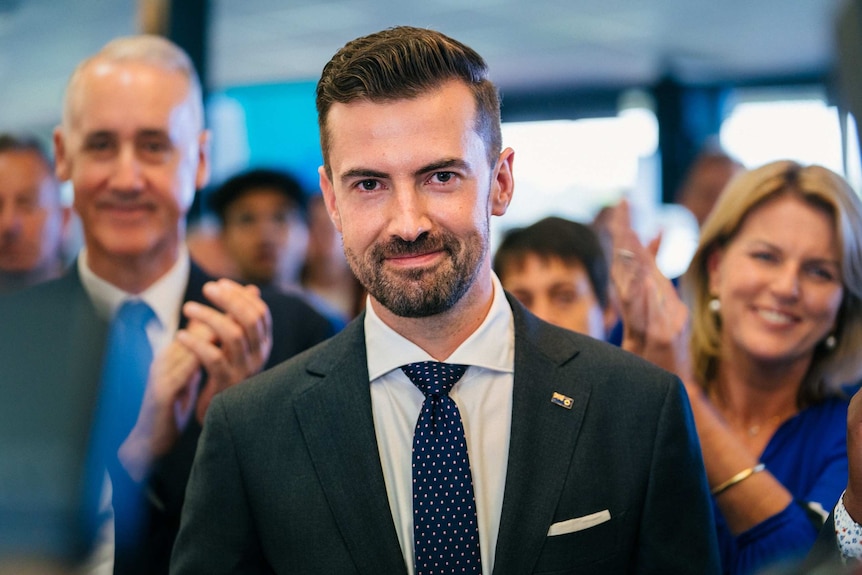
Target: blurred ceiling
[[529, 44]]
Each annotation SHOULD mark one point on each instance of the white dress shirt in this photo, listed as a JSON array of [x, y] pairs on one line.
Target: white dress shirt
[[483, 396], [165, 297]]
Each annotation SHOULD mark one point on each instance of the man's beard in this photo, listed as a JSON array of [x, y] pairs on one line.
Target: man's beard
[[424, 291]]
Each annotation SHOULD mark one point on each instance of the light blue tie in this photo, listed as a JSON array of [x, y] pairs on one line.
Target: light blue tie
[[445, 528], [127, 364]]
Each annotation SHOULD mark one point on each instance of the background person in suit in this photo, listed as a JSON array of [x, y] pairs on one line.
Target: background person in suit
[[133, 144], [583, 458]]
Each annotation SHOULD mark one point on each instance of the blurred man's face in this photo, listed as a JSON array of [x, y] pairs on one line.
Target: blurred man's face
[[31, 215], [558, 293], [259, 229], [135, 155]]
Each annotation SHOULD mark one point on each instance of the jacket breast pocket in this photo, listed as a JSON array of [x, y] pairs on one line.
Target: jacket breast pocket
[[590, 550]]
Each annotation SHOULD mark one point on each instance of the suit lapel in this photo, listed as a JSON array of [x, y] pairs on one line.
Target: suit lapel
[[337, 423], [194, 289], [542, 441]]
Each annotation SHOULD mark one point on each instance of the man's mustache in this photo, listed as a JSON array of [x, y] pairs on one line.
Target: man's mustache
[[398, 247]]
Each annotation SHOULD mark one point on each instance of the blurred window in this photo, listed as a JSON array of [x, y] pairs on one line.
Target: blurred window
[[573, 168], [797, 124]]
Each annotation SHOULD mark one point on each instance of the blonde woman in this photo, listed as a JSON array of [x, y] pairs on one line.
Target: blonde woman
[[765, 338]]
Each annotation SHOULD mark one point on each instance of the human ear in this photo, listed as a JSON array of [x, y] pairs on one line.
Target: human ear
[[329, 201], [502, 183]]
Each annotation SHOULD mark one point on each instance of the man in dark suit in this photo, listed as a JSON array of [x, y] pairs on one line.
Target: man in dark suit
[[133, 145], [581, 458]]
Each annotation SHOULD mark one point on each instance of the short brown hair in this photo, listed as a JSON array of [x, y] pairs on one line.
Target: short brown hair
[[402, 63]]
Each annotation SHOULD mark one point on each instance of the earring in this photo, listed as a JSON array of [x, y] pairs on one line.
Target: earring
[[714, 305], [830, 342]]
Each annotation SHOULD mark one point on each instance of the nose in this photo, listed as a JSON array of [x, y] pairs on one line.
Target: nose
[[786, 283], [408, 218], [10, 221], [127, 174]]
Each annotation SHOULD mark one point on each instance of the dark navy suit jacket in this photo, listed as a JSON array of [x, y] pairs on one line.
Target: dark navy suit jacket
[[288, 478]]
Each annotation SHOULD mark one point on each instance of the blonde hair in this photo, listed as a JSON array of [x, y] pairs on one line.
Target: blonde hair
[[818, 187], [148, 49]]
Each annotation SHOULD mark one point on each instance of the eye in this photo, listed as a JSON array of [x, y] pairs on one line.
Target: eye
[[368, 185], [281, 217], [99, 143], [821, 272], [26, 203], [524, 297], [242, 219], [154, 148], [764, 256], [442, 177], [564, 297]]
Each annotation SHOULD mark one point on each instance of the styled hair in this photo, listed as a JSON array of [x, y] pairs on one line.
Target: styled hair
[[554, 237], [259, 178], [823, 190], [402, 63], [148, 49]]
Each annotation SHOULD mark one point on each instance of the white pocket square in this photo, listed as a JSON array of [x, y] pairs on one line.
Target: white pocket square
[[579, 523]]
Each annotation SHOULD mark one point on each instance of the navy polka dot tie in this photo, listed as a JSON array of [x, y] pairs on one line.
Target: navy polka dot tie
[[445, 529]]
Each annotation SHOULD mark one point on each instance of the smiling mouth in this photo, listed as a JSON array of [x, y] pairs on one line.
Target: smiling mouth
[[126, 211], [414, 259], [776, 317]]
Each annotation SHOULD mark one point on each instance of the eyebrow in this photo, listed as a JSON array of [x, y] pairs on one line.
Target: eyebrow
[[152, 132], [98, 134], [363, 173], [444, 164], [143, 133]]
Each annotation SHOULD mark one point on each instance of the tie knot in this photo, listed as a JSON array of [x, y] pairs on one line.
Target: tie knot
[[134, 313], [434, 377]]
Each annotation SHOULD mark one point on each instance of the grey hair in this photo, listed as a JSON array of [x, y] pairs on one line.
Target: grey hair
[[149, 49]]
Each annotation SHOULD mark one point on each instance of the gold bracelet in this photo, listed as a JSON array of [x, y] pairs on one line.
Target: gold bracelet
[[741, 476]]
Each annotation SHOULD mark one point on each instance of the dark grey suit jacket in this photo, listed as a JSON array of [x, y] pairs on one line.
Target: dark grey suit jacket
[[51, 343], [287, 477]]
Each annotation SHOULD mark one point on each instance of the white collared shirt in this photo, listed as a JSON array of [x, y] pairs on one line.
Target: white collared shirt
[[165, 297], [483, 396]]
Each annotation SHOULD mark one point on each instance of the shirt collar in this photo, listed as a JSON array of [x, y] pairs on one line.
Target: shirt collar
[[491, 346], [165, 296]]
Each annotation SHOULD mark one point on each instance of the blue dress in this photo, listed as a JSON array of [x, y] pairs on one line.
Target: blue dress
[[808, 455]]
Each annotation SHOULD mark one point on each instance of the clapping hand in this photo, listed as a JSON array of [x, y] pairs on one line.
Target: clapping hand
[[229, 342], [655, 319]]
